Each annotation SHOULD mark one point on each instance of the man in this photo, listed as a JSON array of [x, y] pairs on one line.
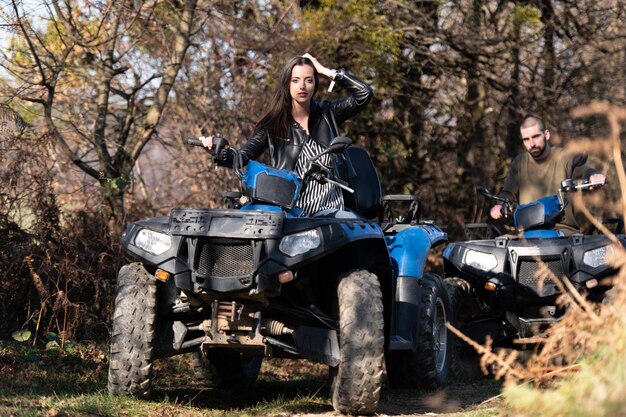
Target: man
[[539, 171]]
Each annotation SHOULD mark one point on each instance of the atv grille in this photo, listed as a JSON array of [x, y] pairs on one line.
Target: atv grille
[[529, 271], [226, 260]]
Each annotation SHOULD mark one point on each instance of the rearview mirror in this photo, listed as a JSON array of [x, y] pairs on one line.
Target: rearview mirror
[[336, 145], [339, 143], [484, 191], [579, 160]]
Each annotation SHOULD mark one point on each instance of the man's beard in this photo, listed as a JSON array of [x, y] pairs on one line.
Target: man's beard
[[536, 152]]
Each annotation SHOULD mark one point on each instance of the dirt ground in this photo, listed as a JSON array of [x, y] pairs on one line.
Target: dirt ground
[[455, 397], [303, 389]]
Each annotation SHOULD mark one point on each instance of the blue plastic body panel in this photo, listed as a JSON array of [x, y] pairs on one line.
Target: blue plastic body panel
[[538, 213], [551, 205], [277, 186], [543, 234], [294, 212], [409, 249]]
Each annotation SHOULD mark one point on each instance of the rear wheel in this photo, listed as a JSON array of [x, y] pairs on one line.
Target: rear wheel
[[204, 371], [465, 360], [132, 337], [235, 371], [428, 365], [356, 381]]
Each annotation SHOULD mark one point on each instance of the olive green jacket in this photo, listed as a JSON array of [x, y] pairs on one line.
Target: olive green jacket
[[529, 180]]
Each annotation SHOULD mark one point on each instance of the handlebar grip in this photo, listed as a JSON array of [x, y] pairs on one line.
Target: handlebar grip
[[193, 142]]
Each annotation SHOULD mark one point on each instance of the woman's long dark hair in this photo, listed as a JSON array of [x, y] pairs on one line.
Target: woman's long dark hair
[[276, 120]]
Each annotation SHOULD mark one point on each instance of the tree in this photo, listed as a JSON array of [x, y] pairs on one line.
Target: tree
[[99, 74]]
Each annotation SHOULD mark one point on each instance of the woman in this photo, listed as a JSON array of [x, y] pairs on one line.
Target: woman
[[297, 127]]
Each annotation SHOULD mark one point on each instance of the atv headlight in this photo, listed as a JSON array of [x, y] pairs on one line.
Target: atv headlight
[[153, 242], [599, 256], [480, 260], [300, 243]]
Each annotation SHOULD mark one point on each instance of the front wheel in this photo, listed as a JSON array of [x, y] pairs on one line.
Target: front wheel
[[132, 337], [465, 360], [428, 365], [356, 381]]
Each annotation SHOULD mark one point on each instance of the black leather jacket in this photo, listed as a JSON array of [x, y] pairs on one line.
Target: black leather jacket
[[284, 153]]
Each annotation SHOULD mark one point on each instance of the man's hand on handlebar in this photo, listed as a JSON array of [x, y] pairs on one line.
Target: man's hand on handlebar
[[496, 212], [502, 210], [598, 181]]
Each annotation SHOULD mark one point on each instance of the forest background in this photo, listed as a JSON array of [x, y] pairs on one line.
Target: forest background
[[97, 98]]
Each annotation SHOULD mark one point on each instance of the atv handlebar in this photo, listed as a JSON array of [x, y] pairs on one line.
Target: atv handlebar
[[219, 144], [219, 150], [570, 185], [567, 185], [316, 171], [508, 206], [193, 142]]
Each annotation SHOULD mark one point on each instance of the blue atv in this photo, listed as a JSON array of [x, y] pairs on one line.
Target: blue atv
[[260, 279], [507, 285]]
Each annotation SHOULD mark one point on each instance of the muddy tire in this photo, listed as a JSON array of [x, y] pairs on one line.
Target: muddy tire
[[465, 360], [204, 371], [356, 381], [429, 364], [132, 337]]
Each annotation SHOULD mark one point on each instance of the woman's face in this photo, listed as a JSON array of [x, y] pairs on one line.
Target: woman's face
[[302, 84]]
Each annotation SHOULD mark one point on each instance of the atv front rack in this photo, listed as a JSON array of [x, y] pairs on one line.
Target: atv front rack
[[226, 223]]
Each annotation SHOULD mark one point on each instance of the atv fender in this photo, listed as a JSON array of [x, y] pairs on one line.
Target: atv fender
[[409, 249]]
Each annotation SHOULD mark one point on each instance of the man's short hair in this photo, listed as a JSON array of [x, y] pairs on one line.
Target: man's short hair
[[532, 121]]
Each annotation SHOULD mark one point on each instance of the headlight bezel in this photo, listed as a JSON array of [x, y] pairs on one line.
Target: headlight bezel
[[151, 241], [300, 243]]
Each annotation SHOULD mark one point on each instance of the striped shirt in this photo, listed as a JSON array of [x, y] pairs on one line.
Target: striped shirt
[[315, 196]]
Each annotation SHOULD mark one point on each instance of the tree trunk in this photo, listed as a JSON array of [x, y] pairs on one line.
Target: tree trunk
[[472, 136], [513, 108], [113, 209], [549, 60]]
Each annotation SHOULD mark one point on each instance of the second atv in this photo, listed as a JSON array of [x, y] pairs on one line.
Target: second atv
[[508, 286]]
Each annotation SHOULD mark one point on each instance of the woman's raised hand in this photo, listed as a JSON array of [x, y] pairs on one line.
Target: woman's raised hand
[[319, 67]]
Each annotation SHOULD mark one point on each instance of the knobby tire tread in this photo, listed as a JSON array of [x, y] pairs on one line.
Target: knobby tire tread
[[357, 379], [132, 337]]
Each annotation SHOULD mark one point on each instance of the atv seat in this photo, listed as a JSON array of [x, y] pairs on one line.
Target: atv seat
[[366, 199]]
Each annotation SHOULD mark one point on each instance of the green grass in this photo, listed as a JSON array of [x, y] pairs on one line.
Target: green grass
[[73, 383]]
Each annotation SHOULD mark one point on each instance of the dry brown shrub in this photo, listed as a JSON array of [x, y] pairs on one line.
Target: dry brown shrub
[[586, 326], [56, 273]]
